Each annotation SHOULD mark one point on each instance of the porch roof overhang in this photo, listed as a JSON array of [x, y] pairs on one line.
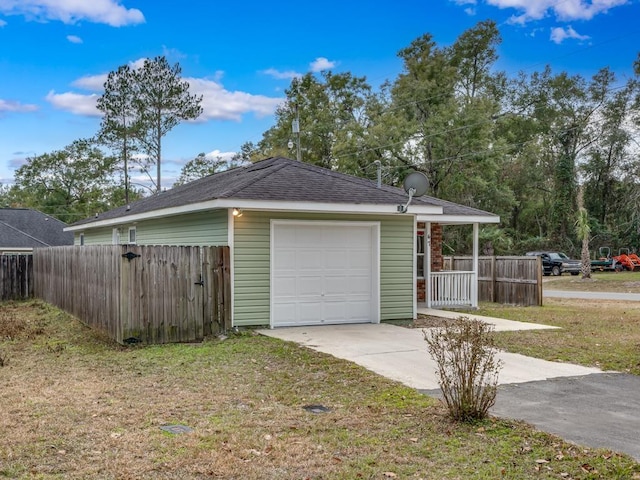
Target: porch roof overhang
[[458, 219]]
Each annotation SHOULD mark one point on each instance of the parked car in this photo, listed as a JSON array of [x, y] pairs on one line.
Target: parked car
[[557, 263]]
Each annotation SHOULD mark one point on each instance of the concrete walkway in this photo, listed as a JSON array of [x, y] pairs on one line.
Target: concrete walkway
[[499, 324]]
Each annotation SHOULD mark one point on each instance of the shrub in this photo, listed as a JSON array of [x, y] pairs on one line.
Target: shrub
[[467, 368]]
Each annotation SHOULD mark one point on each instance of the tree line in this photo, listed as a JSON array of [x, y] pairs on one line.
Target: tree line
[[520, 146]]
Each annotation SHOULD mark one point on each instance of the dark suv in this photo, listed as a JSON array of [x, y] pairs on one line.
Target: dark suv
[[557, 263]]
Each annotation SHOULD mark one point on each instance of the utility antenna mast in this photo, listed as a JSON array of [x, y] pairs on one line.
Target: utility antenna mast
[[295, 126]]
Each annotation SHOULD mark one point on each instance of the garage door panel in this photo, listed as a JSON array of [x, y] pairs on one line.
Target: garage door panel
[[286, 313], [336, 285], [285, 259], [284, 236], [336, 259], [309, 313], [285, 286], [327, 276], [335, 312], [360, 285], [309, 285], [359, 311], [308, 259]]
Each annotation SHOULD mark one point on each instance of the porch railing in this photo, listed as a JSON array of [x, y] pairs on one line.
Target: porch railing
[[452, 289]]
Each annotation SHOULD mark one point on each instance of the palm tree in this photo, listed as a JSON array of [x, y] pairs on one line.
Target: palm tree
[[583, 230]]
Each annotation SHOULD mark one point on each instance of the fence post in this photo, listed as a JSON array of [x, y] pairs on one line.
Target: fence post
[[494, 282], [539, 279]]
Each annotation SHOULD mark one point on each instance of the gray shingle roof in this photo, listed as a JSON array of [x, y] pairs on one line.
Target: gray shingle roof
[[26, 228], [280, 179]]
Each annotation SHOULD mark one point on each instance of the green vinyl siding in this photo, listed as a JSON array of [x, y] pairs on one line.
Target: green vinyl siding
[[252, 237], [97, 236], [202, 228]]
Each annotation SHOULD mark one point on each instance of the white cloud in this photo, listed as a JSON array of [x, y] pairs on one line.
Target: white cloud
[[281, 75], [94, 83], [11, 106], [74, 39], [559, 34], [2, 23], [109, 12], [470, 11], [563, 10], [217, 154], [75, 103], [221, 104], [217, 102], [321, 63]]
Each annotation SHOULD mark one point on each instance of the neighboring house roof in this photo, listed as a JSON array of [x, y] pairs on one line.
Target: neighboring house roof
[[23, 228], [272, 183]]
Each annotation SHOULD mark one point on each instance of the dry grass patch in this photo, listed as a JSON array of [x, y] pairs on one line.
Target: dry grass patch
[[604, 334], [74, 405]]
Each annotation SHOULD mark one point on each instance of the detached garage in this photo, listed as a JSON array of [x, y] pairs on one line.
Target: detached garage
[[308, 246]]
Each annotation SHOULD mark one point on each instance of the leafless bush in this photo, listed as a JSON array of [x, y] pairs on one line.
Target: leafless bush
[[467, 368], [3, 359]]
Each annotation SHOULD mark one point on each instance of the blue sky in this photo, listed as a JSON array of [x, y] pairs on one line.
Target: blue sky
[[55, 55]]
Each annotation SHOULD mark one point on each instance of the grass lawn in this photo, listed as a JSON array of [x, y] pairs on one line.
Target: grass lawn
[[624, 282], [74, 405], [603, 334], [600, 333]]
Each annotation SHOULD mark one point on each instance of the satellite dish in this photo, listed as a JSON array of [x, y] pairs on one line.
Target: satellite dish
[[416, 181], [415, 185]]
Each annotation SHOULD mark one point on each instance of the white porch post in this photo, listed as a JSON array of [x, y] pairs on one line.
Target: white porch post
[[474, 284], [427, 263]]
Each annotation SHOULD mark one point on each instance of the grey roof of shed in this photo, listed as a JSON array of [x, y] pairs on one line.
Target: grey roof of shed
[[280, 179], [26, 228]]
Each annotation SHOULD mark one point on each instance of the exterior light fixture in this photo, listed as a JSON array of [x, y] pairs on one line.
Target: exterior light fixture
[[236, 212]]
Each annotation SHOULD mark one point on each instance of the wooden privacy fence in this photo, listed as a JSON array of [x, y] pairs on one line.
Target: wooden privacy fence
[[16, 277], [507, 280], [149, 294]]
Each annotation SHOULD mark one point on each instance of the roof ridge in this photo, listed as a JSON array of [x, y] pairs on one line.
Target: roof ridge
[[25, 233]]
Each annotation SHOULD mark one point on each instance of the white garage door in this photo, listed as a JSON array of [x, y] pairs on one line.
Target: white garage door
[[324, 273]]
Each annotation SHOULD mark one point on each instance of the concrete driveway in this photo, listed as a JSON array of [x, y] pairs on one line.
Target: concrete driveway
[[580, 404], [401, 353]]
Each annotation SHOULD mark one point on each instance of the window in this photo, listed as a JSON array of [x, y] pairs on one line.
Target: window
[[420, 254], [132, 235], [81, 240]]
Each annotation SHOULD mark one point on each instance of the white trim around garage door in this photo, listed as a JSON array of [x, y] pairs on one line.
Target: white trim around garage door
[[317, 289]]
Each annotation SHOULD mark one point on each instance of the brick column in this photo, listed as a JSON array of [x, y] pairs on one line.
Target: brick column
[[436, 247]]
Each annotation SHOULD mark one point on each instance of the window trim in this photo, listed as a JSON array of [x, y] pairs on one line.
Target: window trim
[[135, 236]]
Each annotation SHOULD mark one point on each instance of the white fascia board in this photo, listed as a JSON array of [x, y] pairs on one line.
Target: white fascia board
[[458, 219], [264, 205]]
